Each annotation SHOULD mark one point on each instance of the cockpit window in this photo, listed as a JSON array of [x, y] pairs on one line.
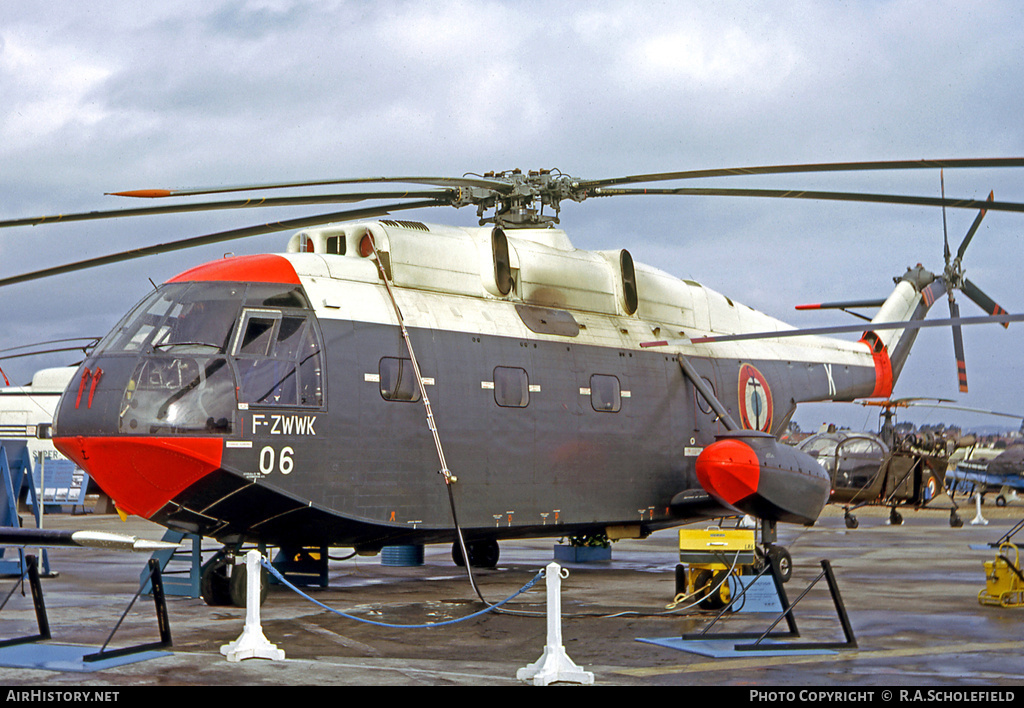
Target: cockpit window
[[278, 359], [257, 333], [277, 296]]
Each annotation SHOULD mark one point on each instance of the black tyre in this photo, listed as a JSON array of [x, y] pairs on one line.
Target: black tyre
[[238, 585], [214, 583], [783, 563], [482, 554]]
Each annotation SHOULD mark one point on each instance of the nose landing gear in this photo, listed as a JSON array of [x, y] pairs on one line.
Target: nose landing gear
[[222, 581], [482, 554]]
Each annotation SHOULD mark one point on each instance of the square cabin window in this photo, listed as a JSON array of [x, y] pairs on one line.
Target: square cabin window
[[604, 393], [398, 380], [511, 387]]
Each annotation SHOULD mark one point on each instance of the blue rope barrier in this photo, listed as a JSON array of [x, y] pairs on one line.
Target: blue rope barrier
[[273, 571]]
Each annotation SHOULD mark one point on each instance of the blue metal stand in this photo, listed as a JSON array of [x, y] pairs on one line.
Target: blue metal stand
[[12, 481], [180, 583]]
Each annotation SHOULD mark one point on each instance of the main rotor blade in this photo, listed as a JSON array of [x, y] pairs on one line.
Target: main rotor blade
[[233, 204], [92, 341], [819, 167], [904, 402], [40, 352], [958, 346], [842, 305], [818, 195], [299, 223], [1018, 416], [840, 329], [495, 184], [974, 227], [982, 300]]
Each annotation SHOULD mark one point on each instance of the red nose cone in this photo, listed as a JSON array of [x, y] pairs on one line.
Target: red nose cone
[[142, 474], [729, 470]]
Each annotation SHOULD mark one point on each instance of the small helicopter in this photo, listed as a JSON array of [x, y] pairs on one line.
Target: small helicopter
[[886, 469], [388, 381], [893, 470]]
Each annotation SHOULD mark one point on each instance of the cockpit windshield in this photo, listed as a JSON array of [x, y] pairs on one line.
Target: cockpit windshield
[[184, 315], [206, 347]]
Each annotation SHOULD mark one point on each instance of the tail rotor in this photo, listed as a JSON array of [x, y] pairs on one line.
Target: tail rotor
[[953, 275]]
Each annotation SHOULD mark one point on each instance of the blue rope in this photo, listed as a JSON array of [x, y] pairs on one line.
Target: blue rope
[[276, 574]]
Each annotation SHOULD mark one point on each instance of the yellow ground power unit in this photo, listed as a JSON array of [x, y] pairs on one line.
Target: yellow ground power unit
[[1004, 583], [707, 557]]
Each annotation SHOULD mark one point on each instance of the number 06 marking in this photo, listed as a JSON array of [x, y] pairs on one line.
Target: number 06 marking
[[285, 462]]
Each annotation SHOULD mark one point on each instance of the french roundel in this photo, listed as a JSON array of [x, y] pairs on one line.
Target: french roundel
[[755, 400]]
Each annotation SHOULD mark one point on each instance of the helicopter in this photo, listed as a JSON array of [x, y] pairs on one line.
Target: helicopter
[[387, 381], [884, 469]]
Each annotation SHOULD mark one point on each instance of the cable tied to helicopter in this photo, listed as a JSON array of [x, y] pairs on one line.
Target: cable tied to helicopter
[[449, 478], [490, 608]]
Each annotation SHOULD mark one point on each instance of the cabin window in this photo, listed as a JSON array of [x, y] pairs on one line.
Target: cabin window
[[605, 394], [336, 245], [511, 387], [398, 380]]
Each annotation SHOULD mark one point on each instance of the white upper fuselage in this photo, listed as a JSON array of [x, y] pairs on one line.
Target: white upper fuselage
[[444, 275]]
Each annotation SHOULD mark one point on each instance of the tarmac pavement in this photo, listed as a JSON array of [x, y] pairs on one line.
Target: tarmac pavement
[[910, 591]]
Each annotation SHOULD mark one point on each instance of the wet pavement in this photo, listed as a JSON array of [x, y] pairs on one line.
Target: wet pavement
[[911, 593]]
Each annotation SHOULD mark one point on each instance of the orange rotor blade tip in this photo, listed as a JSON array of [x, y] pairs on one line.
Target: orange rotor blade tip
[[143, 193]]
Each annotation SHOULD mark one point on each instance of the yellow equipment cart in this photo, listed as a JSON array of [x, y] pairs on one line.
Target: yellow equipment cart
[[1004, 583], [707, 558]]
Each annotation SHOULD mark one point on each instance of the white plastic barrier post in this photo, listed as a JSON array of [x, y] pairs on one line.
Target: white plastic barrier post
[[252, 644], [979, 520], [554, 664]]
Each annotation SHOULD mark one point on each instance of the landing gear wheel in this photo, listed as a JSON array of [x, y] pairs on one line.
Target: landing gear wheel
[[851, 521], [954, 520], [214, 583], [781, 560], [722, 591], [238, 585], [680, 580], [711, 589], [1000, 500], [895, 518], [482, 554]]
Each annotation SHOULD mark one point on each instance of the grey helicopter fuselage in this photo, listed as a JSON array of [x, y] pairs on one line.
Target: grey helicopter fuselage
[[272, 398]]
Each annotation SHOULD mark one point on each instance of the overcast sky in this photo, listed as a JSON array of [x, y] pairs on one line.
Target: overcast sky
[[105, 96]]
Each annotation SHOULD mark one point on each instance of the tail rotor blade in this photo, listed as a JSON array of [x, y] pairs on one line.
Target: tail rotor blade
[[945, 236], [982, 300], [974, 227], [958, 347]]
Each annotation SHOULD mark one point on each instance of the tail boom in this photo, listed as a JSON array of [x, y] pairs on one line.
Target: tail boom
[[910, 301]]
